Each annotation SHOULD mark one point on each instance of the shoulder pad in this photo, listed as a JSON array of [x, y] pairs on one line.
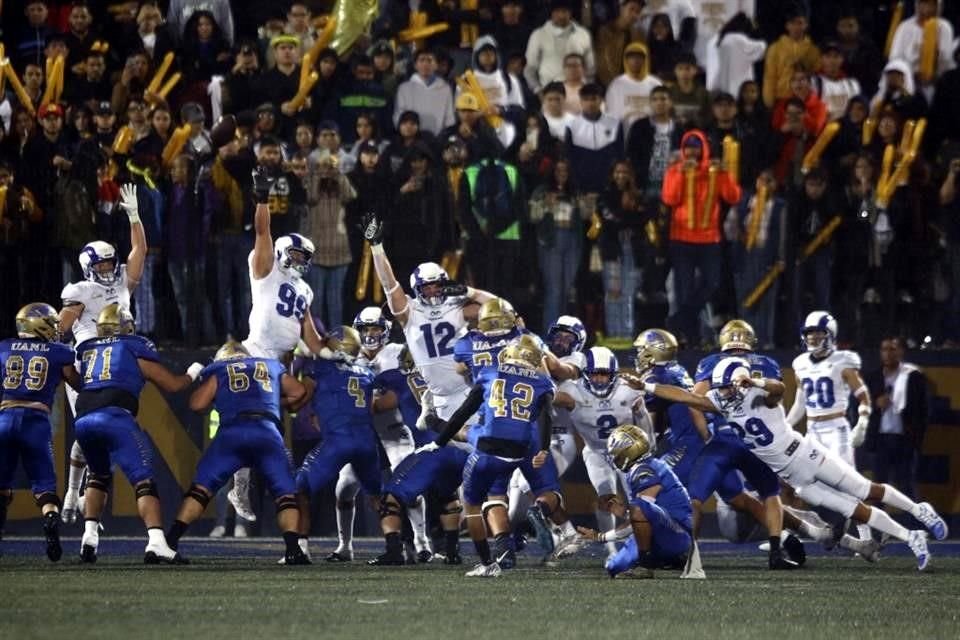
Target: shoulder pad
[[799, 361], [849, 359], [73, 293]]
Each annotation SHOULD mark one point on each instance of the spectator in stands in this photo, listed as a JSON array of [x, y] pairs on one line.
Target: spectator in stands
[[613, 38], [511, 30], [832, 84], [360, 94], [558, 119], [695, 234], [426, 94], [628, 96], [79, 38], [551, 43], [384, 61], [594, 142], [862, 58], [725, 121], [180, 11], [133, 81], [897, 91], [573, 80], [794, 48], [622, 212], [148, 34], [794, 139], [481, 139], [730, 59], [287, 195], [367, 130], [105, 120], [908, 39], [328, 192], [503, 91], [408, 132], [204, 50], [663, 47], [92, 86], [33, 38], [681, 17], [815, 207], [691, 102], [242, 80], [651, 144], [898, 423], [371, 179], [279, 85]]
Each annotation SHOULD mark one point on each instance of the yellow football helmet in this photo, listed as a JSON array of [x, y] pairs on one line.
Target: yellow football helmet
[[524, 352], [654, 346], [114, 321], [627, 445], [737, 335], [345, 343], [38, 320], [496, 317], [405, 360], [231, 350]]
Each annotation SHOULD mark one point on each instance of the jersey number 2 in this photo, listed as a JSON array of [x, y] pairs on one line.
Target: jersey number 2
[[290, 303]]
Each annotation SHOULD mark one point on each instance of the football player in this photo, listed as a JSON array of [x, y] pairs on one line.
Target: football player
[[114, 367], [752, 409], [106, 281], [514, 395], [380, 355], [280, 315], [342, 400], [247, 393], [32, 366], [660, 528], [598, 402]]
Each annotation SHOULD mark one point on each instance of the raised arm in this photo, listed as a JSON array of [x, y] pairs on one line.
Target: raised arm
[[311, 336], [138, 239], [774, 388], [68, 315], [558, 369], [263, 242], [396, 298]]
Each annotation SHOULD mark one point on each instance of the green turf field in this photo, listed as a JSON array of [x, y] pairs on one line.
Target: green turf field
[[251, 597]]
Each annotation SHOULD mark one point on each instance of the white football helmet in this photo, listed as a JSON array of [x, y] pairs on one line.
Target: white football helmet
[[293, 253], [99, 252], [372, 317], [561, 345], [600, 360], [725, 375], [819, 333], [428, 273]]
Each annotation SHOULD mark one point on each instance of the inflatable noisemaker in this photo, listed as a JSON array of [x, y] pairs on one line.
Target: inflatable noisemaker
[[175, 144], [54, 81], [690, 195], [3, 201], [353, 19], [17, 86], [468, 83], [469, 31], [711, 196], [917, 138], [157, 79], [731, 157], [869, 128], [906, 137], [3, 77], [298, 100], [891, 32], [812, 157], [889, 154], [168, 86], [327, 26], [419, 29], [363, 275], [101, 47], [928, 50], [756, 216], [123, 140], [596, 225]]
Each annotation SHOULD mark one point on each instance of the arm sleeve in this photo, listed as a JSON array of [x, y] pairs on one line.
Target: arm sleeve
[[461, 415], [546, 422]]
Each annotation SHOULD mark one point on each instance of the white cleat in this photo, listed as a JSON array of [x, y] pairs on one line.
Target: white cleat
[[491, 570], [240, 531], [868, 549], [160, 553], [88, 548], [569, 545], [218, 531], [917, 541], [932, 521], [241, 503], [71, 511]]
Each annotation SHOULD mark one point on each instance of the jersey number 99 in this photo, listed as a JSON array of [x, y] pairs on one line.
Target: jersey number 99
[[290, 303]]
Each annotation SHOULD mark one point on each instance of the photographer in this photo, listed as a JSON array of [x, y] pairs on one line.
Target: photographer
[[241, 81]]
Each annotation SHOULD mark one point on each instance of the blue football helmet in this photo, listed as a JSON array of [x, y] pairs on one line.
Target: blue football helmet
[[600, 360], [819, 333], [96, 253], [428, 273], [293, 253], [372, 317], [725, 375], [560, 344]]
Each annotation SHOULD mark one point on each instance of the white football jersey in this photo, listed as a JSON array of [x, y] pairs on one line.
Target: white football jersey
[[388, 424], [562, 420], [822, 382], [432, 332], [763, 429], [595, 418], [94, 297], [280, 302]]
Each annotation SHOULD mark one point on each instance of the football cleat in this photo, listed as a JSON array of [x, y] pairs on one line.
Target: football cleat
[[507, 560], [519, 541], [71, 508], [693, 569], [917, 540], [160, 553], [51, 531], [387, 560], [481, 570], [868, 549], [424, 556], [298, 558], [778, 563], [339, 556], [932, 521], [795, 550], [218, 531], [453, 558], [88, 548], [239, 497], [541, 527]]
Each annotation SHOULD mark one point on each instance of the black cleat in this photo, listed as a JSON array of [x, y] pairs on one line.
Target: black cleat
[[51, 531], [453, 558], [151, 557], [507, 559], [423, 557], [387, 560], [298, 558], [337, 556], [88, 554], [795, 549], [779, 563]]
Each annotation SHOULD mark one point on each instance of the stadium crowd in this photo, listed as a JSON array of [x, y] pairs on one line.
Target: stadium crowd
[[584, 166]]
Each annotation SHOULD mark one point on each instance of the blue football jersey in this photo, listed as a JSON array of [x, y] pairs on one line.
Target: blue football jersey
[[512, 399], [759, 365], [246, 385], [407, 386], [32, 369], [342, 398], [477, 350], [678, 415], [672, 497], [112, 363]]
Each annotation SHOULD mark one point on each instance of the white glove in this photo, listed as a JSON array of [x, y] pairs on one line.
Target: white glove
[[426, 409], [427, 448], [860, 431], [194, 370], [128, 202]]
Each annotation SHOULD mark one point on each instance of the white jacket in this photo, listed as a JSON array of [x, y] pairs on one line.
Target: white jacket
[[546, 49]]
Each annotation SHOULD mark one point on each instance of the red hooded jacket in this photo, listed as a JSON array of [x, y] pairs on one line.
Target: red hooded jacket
[[672, 194]]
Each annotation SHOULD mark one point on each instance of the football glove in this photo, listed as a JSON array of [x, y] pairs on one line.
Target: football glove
[[128, 202], [427, 448], [860, 431], [372, 228], [453, 290], [262, 183]]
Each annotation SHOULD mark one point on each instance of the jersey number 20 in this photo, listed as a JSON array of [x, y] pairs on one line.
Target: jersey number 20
[[819, 392]]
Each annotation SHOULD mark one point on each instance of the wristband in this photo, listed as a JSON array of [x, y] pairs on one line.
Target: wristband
[[650, 387], [760, 383], [376, 249], [861, 389], [865, 410], [134, 217]]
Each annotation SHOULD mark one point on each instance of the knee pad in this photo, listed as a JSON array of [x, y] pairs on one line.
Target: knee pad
[[451, 506], [147, 488], [197, 494], [46, 498], [490, 504], [100, 482], [389, 506], [286, 502]]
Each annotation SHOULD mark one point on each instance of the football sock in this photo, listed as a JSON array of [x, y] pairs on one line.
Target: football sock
[[345, 527], [774, 544], [176, 531], [451, 540], [91, 528], [504, 542], [394, 544], [155, 536], [291, 541], [895, 498], [483, 550], [417, 515], [881, 521]]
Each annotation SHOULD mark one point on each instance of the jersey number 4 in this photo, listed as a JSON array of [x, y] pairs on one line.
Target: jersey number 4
[[290, 303], [819, 392], [437, 338]]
